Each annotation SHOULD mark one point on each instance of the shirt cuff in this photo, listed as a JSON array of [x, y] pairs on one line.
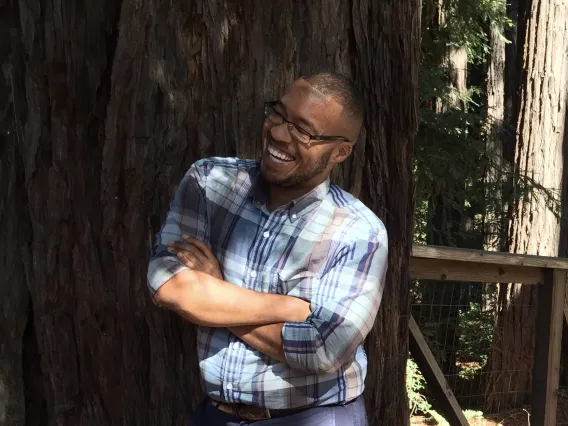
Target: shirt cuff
[[299, 346], [163, 269]]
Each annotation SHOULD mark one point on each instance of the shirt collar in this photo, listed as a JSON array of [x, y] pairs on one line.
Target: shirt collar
[[295, 208]]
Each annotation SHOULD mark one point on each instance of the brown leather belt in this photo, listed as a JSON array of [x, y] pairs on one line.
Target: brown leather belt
[[252, 413]]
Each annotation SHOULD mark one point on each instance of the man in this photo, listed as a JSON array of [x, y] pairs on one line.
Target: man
[[282, 271]]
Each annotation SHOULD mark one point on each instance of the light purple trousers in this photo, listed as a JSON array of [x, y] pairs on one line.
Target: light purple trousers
[[352, 414]]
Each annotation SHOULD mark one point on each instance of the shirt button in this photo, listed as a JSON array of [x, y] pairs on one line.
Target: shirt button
[[253, 274], [229, 386], [294, 216], [266, 234], [234, 347]]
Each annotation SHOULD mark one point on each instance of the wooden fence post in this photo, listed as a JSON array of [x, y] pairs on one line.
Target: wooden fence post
[[546, 367]]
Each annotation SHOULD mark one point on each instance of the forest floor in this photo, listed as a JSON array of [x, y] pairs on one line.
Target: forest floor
[[519, 417]]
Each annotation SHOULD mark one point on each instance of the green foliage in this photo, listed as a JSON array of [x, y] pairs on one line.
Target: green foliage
[[418, 404], [451, 161], [473, 414], [475, 336], [415, 385], [430, 330], [450, 157], [464, 23]]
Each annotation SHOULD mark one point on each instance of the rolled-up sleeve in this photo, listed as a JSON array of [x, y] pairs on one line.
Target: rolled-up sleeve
[[187, 215], [344, 307]]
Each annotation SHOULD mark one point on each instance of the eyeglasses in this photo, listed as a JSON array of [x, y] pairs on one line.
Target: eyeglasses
[[296, 132]]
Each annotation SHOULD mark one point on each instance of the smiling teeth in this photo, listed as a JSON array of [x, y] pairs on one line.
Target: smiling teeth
[[279, 155]]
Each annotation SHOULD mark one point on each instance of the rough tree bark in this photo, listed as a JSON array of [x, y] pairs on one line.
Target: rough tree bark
[[112, 102], [497, 170], [495, 117], [16, 372], [513, 65], [13, 292], [391, 126], [501, 117], [535, 226]]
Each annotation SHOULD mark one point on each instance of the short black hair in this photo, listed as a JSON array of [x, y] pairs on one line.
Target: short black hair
[[342, 89]]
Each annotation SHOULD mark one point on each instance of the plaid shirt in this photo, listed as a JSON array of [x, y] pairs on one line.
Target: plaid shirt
[[325, 247]]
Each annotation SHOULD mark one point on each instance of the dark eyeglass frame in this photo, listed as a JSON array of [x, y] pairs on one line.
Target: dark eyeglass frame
[[269, 109]]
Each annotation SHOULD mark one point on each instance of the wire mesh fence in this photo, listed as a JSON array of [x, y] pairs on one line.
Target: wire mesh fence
[[482, 337]]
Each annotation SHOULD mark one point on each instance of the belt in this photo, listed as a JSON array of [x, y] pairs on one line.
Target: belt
[[252, 413]]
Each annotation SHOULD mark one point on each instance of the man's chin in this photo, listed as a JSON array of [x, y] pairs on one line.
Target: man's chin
[[272, 179]]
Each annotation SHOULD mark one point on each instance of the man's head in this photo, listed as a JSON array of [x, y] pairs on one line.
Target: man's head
[[309, 130]]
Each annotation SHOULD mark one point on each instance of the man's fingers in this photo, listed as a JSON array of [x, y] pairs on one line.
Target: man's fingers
[[185, 260], [196, 255], [189, 260], [201, 246], [179, 246]]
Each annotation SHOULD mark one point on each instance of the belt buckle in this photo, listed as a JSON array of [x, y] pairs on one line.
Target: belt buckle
[[250, 412]]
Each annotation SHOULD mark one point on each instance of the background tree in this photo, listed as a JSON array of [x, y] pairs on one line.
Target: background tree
[[110, 103], [535, 225]]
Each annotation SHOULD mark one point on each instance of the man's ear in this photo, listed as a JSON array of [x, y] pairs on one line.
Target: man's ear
[[341, 152]]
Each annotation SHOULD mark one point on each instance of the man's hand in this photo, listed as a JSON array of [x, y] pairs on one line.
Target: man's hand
[[196, 255]]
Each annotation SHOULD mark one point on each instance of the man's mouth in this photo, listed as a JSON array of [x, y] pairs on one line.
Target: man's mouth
[[278, 156]]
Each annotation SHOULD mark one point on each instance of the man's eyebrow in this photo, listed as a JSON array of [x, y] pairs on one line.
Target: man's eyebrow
[[299, 120]]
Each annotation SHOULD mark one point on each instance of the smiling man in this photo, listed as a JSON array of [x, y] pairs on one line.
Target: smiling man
[[282, 271]]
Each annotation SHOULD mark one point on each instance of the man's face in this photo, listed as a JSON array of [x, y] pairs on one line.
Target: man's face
[[287, 161]]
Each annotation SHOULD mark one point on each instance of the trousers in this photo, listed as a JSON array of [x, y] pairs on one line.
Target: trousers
[[352, 414]]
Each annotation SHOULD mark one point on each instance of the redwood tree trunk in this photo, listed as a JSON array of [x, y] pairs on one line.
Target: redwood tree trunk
[[494, 129], [535, 227], [387, 61], [113, 101]]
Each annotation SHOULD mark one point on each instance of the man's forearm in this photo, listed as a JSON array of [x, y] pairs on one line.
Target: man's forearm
[[208, 301], [264, 338]]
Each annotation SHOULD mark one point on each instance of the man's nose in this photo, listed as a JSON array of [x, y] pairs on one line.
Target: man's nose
[[281, 133]]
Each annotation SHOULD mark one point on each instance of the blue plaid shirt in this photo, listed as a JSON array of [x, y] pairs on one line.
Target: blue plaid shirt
[[325, 247]]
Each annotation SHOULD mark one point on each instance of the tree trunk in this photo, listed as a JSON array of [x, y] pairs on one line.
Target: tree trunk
[[113, 101], [16, 375], [495, 117], [14, 295], [535, 226], [495, 217], [387, 61], [513, 57]]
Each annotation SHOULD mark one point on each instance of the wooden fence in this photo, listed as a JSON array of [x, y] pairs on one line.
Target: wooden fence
[[550, 273]]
